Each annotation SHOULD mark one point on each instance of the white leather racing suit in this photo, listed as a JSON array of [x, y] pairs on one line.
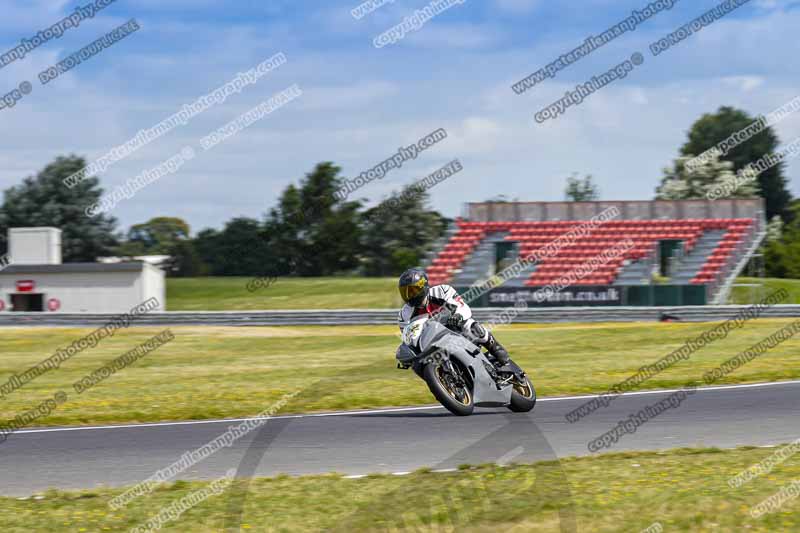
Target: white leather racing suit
[[439, 297]]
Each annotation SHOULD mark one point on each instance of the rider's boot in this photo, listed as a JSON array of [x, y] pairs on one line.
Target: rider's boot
[[483, 337], [496, 349]]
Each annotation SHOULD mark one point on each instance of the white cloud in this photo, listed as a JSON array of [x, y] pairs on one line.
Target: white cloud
[[21, 16], [517, 6], [475, 135], [744, 83], [454, 35], [354, 96], [766, 4], [639, 96], [360, 104]]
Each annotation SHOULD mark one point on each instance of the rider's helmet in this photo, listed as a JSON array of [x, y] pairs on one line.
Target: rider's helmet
[[413, 286]]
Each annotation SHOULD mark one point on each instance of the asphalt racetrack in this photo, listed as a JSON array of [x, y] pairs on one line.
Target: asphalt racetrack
[[393, 440]]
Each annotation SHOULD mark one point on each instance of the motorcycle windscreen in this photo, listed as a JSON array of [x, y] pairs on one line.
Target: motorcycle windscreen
[[438, 334], [432, 333]]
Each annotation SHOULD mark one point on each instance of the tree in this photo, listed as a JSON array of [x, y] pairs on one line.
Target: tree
[[782, 256], [683, 183], [185, 262], [44, 200], [399, 231], [782, 259], [206, 244], [285, 226], [240, 250], [711, 129], [774, 229], [165, 236], [130, 248], [158, 235], [311, 232], [581, 190]]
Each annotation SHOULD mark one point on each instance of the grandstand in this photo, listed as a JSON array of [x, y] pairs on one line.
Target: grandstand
[[699, 244]]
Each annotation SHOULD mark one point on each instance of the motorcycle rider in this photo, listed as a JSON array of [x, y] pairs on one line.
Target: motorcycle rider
[[420, 299]]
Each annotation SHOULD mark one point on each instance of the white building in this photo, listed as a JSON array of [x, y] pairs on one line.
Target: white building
[[35, 279]]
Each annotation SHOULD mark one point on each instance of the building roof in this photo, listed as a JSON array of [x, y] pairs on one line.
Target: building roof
[[74, 268]]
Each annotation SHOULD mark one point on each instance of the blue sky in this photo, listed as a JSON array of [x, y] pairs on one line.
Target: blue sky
[[361, 103]]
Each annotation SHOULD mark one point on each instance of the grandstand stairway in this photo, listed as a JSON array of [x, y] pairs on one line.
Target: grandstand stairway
[[692, 263], [720, 295], [524, 274], [480, 264], [636, 273], [440, 244]]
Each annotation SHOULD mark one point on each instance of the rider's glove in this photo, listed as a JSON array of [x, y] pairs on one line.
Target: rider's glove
[[455, 321]]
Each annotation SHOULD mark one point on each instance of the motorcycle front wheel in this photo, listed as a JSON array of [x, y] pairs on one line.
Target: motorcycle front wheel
[[444, 387]]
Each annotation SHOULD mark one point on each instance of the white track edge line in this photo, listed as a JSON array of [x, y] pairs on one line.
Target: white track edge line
[[387, 410]]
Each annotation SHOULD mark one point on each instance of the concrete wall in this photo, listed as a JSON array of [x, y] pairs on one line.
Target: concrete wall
[[154, 285], [89, 292], [34, 246], [629, 210]]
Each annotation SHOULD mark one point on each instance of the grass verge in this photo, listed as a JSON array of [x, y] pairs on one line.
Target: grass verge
[[683, 490], [219, 372]]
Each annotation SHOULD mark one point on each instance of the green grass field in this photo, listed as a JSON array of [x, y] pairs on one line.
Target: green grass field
[[217, 372], [745, 295], [230, 294], [682, 490]]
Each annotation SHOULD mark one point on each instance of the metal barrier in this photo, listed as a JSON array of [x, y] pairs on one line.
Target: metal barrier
[[389, 316]]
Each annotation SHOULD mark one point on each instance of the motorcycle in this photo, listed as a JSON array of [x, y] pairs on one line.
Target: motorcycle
[[459, 374]]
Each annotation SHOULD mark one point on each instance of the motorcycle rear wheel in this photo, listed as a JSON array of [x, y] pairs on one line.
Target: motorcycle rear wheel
[[437, 381], [523, 396]]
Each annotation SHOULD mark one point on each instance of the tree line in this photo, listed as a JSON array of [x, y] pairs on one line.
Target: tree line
[[311, 231], [704, 180]]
